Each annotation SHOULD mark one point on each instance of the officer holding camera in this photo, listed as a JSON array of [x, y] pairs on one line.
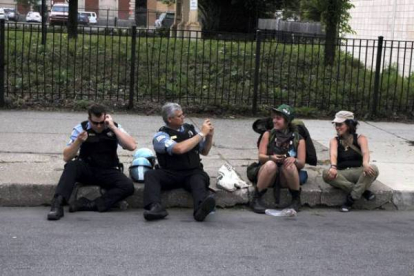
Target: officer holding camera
[[178, 147]]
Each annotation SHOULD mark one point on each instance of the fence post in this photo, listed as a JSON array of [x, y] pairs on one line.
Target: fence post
[[256, 71], [2, 64], [377, 76], [132, 72], [44, 31]]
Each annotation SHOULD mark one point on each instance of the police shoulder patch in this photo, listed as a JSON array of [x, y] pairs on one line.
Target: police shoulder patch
[[160, 138]]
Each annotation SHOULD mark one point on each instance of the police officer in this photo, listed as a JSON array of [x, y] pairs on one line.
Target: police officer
[[97, 141], [178, 147]]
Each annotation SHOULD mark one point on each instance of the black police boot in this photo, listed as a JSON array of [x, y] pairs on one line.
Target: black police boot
[[56, 212], [296, 202], [346, 207], [155, 212], [257, 204], [82, 204], [205, 208]]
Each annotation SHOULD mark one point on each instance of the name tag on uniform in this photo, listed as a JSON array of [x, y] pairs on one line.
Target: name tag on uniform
[[173, 137]]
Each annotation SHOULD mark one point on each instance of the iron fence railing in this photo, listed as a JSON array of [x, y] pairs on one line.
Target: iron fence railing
[[254, 70]]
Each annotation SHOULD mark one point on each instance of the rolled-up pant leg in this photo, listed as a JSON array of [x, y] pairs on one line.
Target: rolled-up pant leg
[[74, 171]]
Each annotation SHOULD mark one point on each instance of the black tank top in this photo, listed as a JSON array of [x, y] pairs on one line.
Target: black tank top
[[347, 157]]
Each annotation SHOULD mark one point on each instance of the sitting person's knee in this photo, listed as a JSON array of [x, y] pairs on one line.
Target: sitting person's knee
[[375, 168], [325, 175], [270, 166]]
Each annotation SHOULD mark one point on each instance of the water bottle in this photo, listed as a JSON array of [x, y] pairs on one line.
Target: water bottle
[[281, 213]]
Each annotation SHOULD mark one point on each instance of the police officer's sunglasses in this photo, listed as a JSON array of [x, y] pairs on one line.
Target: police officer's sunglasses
[[98, 123]]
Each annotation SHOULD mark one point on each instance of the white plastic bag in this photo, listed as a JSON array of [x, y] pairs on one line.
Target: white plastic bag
[[281, 213], [227, 179]]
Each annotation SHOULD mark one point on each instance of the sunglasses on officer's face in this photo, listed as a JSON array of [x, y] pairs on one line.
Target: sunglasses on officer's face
[[98, 123], [339, 124]]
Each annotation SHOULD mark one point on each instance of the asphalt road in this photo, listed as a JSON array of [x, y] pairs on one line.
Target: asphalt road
[[229, 242]]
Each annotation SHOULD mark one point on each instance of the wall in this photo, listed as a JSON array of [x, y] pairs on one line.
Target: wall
[[392, 19]]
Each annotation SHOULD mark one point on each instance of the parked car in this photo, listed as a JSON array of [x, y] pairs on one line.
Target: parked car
[[33, 17], [165, 20], [3, 15], [59, 14], [12, 14], [83, 19], [93, 18]]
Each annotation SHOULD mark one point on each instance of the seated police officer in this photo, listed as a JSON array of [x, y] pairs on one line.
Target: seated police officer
[[97, 141], [178, 147]]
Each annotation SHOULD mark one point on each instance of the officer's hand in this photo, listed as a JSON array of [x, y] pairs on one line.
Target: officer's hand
[[82, 137], [206, 127], [211, 133], [109, 121]]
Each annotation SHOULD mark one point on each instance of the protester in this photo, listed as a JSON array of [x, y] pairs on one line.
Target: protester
[[282, 152], [350, 169]]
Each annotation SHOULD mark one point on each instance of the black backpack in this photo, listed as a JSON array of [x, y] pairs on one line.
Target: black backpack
[[264, 124]]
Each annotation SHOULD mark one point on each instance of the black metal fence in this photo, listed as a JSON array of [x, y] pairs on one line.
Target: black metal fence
[[199, 68]]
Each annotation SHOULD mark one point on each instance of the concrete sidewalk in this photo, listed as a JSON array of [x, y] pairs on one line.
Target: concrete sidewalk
[[31, 162]]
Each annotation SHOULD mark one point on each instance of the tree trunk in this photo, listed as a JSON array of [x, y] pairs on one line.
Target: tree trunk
[[332, 22], [141, 13], [73, 19], [330, 45]]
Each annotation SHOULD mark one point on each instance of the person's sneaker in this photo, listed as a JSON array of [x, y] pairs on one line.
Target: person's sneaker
[[82, 204], [56, 211], [205, 208], [368, 195], [155, 212], [346, 207]]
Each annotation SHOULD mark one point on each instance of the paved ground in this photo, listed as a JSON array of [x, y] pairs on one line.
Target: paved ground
[[231, 242], [31, 162]]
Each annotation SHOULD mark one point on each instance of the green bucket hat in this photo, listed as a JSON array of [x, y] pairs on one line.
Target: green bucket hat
[[286, 111]]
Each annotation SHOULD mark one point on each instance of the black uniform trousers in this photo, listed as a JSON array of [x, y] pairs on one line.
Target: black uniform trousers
[[117, 185], [195, 181]]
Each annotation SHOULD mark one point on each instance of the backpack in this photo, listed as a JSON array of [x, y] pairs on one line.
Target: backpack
[[262, 125]]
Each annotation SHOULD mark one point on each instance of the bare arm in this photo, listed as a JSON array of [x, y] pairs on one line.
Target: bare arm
[[333, 151], [301, 159], [189, 144], [363, 143]]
